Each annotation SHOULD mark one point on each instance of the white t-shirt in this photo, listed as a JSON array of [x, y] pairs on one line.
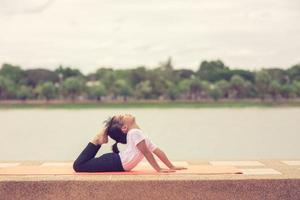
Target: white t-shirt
[[131, 156]]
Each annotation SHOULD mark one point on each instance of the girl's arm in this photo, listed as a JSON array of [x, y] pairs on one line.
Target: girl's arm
[[149, 156], [163, 157]]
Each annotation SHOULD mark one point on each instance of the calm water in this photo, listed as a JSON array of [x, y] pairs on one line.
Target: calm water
[[184, 134]]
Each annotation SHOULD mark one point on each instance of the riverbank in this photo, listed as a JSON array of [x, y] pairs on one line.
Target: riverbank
[[58, 104]]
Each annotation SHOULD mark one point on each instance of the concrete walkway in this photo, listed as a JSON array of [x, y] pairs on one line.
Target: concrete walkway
[[262, 179]]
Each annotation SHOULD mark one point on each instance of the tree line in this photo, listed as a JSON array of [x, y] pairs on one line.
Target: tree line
[[212, 80]]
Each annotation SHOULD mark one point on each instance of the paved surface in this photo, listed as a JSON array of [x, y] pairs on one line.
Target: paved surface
[[262, 179]]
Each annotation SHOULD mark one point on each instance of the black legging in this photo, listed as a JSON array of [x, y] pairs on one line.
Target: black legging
[[86, 161]]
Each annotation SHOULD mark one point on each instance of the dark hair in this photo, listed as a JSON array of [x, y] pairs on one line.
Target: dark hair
[[113, 130]]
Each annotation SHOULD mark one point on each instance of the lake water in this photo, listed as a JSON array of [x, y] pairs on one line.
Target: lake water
[[184, 134]]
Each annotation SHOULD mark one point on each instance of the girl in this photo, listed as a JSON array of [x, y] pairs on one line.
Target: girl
[[123, 129]]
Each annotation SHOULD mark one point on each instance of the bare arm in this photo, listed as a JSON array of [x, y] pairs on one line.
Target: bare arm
[[149, 156], [163, 157]]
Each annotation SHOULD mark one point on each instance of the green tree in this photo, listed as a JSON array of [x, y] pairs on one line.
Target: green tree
[[224, 87], [14, 73], [238, 86], [296, 85], [262, 83], [162, 79], [245, 74], [67, 72], [184, 73], [294, 73], [24, 92], [212, 70], [123, 74], [288, 91], [205, 89], [275, 89], [97, 91], [33, 77], [199, 89], [143, 90], [7, 88], [158, 83], [215, 92], [74, 86], [46, 90], [123, 88], [173, 91], [184, 88], [165, 69], [106, 76], [195, 88], [279, 75], [137, 75]]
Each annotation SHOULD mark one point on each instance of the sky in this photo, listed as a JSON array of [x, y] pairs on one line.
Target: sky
[[89, 34]]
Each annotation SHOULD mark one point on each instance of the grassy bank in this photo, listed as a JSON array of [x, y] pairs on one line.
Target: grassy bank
[[163, 105]]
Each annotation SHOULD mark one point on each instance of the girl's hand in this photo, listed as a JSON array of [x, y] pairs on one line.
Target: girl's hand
[[166, 170], [178, 168]]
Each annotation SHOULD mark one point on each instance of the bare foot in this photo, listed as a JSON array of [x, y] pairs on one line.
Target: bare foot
[[100, 138]]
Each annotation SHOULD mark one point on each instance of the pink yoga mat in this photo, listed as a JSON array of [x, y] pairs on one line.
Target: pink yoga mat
[[68, 170]]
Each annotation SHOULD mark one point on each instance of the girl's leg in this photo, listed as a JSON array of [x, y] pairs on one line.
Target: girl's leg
[[88, 153], [105, 163]]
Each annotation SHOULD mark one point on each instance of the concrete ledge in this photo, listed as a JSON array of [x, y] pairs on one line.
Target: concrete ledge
[[260, 184], [180, 189]]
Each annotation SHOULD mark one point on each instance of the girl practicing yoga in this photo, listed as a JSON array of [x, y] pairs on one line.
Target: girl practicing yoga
[[123, 129]]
